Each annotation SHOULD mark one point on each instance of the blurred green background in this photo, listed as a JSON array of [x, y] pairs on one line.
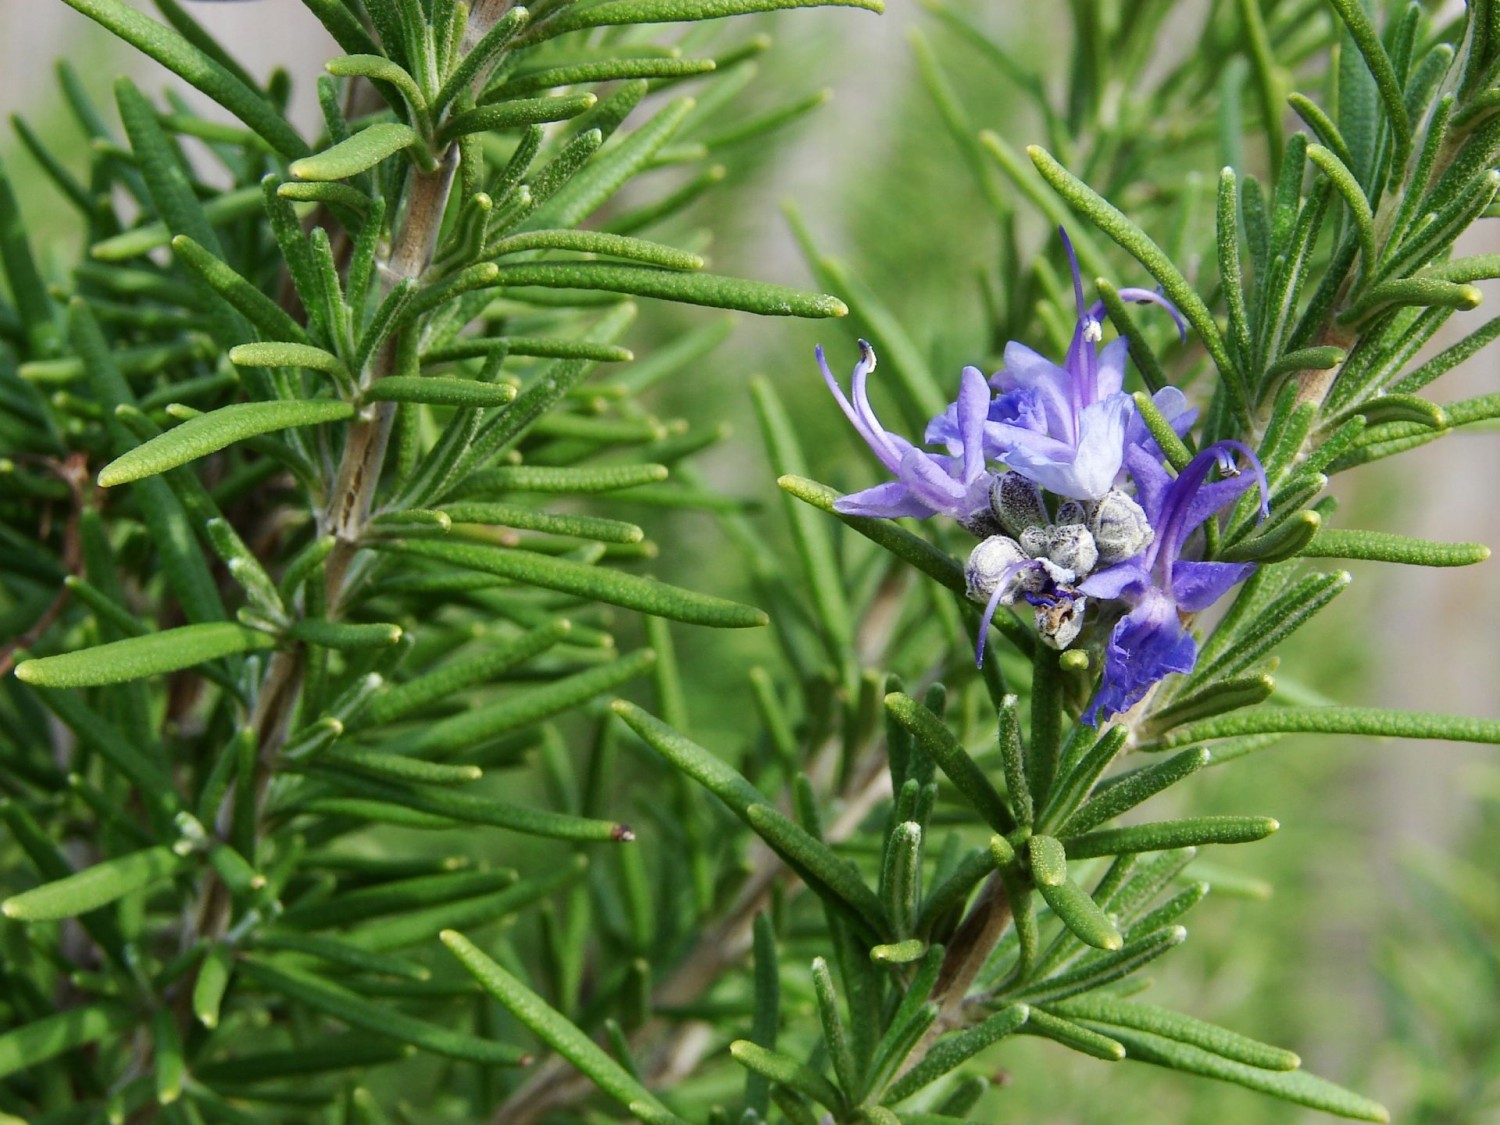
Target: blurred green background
[[1372, 950]]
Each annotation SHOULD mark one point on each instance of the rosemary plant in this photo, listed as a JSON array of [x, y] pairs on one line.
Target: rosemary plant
[[321, 512]]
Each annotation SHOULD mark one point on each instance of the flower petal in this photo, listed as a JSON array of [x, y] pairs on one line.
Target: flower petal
[[1197, 585], [886, 501], [1148, 643]]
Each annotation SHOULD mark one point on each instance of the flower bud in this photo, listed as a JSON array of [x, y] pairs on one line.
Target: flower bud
[[1120, 528], [1071, 512], [1017, 503], [998, 559], [1070, 548]]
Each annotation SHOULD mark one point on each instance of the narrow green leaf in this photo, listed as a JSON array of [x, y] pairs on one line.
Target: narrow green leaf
[[211, 432], [1140, 351], [269, 319], [1367, 39], [954, 1050], [542, 478], [277, 353], [1169, 834], [615, 12], [438, 390], [27, 289], [1306, 359], [832, 878], [901, 879], [1296, 1086], [323, 996], [1131, 789], [356, 154], [616, 165], [1353, 195], [530, 820], [1213, 699], [135, 658], [531, 519], [481, 724], [709, 771], [94, 886], [514, 114], [1070, 902], [901, 543], [1102, 1008], [766, 1020], [835, 1034], [457, 675], [1073, 1035], [351, 1050], [343, 953], [1372, 722], [1413, 292], [345, 636], [1139, 245], [178, 55], [597, 242], [1383, 546], [401, 896], [1099, 969], [414, 927], [560, 1033], [377, 68], [786, 1071], [478, 61], [211, 983], [933, 735], [46, 1038], [711, 290], [809, 532], [610, 586], [1287, 539]]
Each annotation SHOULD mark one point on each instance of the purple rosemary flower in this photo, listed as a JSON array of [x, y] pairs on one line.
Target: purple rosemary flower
[[1160, 586], [926, 483], [1063, 427]]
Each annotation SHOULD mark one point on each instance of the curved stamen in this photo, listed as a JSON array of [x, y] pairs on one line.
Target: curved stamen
[[993, 605]]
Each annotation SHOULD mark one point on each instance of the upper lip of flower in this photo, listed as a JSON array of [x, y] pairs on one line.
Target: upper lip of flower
[[925, 482]]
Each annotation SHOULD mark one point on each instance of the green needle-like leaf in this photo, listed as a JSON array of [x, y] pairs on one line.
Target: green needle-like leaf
[[787, 1071], [178, 55], [555, 1029], [94, 886], [954, 1050], [1102, 1008], [1367, 39], [357, 154], [1296, 1086], [1113, 222], [279, 354], [46, 1038], [514, 114], [834, 879], [1372, 722], [211, 432], [933, 735], [1169, 834], [323, 996], [610, 586], [135, 658], [1070, 902], [901, 543], [711, 290], [439, 391], [1383, 546], [669, 11]]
